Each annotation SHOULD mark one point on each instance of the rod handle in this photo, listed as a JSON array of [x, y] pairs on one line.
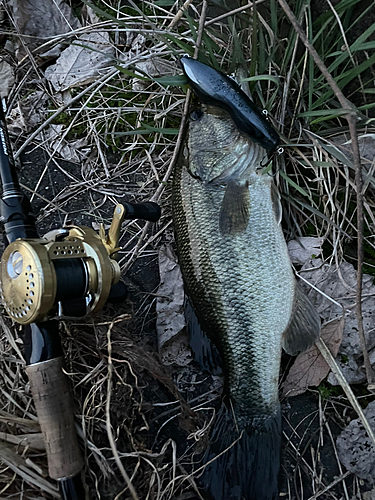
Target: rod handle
[[53, 401]]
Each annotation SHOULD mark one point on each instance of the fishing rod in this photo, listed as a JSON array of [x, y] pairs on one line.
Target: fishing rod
[[68, 273]]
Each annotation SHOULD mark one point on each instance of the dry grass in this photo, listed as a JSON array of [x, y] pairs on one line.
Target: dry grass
[[126, 401]]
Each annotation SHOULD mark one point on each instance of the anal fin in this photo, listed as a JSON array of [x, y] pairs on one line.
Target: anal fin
[[304, 327], [235, 209]]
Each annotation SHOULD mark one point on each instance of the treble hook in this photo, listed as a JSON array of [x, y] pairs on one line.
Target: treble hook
[[268, 161], [264, 164]]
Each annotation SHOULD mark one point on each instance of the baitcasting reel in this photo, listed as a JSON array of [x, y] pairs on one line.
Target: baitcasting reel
[[68, 273]]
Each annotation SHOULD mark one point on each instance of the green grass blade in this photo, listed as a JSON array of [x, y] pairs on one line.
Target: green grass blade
[[164, 3], [293, 184], [324, 112], [260, 78], [176, 81], [354, 47], [146, 130], [274, 17], [193, 25], [296, 201], [134, 74], [180, 43]]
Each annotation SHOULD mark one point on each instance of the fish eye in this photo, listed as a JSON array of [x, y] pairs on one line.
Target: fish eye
[[196, 115]]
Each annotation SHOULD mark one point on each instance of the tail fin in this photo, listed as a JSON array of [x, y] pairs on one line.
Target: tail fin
[[249, 467]]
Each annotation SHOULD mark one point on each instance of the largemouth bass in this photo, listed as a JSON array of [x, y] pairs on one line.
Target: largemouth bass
[[238, 275]]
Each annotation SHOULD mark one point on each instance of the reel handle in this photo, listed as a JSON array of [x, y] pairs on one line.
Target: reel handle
[[147, 211]]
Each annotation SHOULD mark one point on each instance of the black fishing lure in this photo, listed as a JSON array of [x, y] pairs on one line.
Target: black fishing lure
[[214, 88]]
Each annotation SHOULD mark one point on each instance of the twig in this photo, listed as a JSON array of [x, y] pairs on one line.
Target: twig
[[155, 198], [176, 150], [108, 419], [351, 118], [288, 80], [330, 486], [200, 29], [31, 137], [233, 12], [178, 16], [185, 112], [48, 202], [337, 459], [18, 465]]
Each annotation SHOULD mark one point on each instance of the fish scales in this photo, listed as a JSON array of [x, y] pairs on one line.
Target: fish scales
[[242, 285]]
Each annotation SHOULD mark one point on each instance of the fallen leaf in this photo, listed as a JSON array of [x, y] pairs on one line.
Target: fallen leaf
[[310, 368], [41, 21], [7, 78], [28, 113], [85, 59], [355, 449], [173, 341], [74, 151], [153, 67], [302, 249], [369, 495], [16, 121], [82, 62], [35, 108], [366, 143], [340, 283]]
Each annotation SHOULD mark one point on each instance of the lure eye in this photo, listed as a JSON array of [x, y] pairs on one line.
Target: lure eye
[[196, 115]]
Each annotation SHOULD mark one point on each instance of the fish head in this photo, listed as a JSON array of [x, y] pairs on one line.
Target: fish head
[[218, 151]]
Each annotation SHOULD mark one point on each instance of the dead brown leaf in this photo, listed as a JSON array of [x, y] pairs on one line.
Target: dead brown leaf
[[40, 21], [310, 368]]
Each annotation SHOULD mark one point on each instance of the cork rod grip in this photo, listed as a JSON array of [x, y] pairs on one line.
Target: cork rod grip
[[53, 401]]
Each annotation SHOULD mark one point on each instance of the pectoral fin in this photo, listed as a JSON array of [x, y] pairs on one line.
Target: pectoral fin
[[235, 209], [304, 327]]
